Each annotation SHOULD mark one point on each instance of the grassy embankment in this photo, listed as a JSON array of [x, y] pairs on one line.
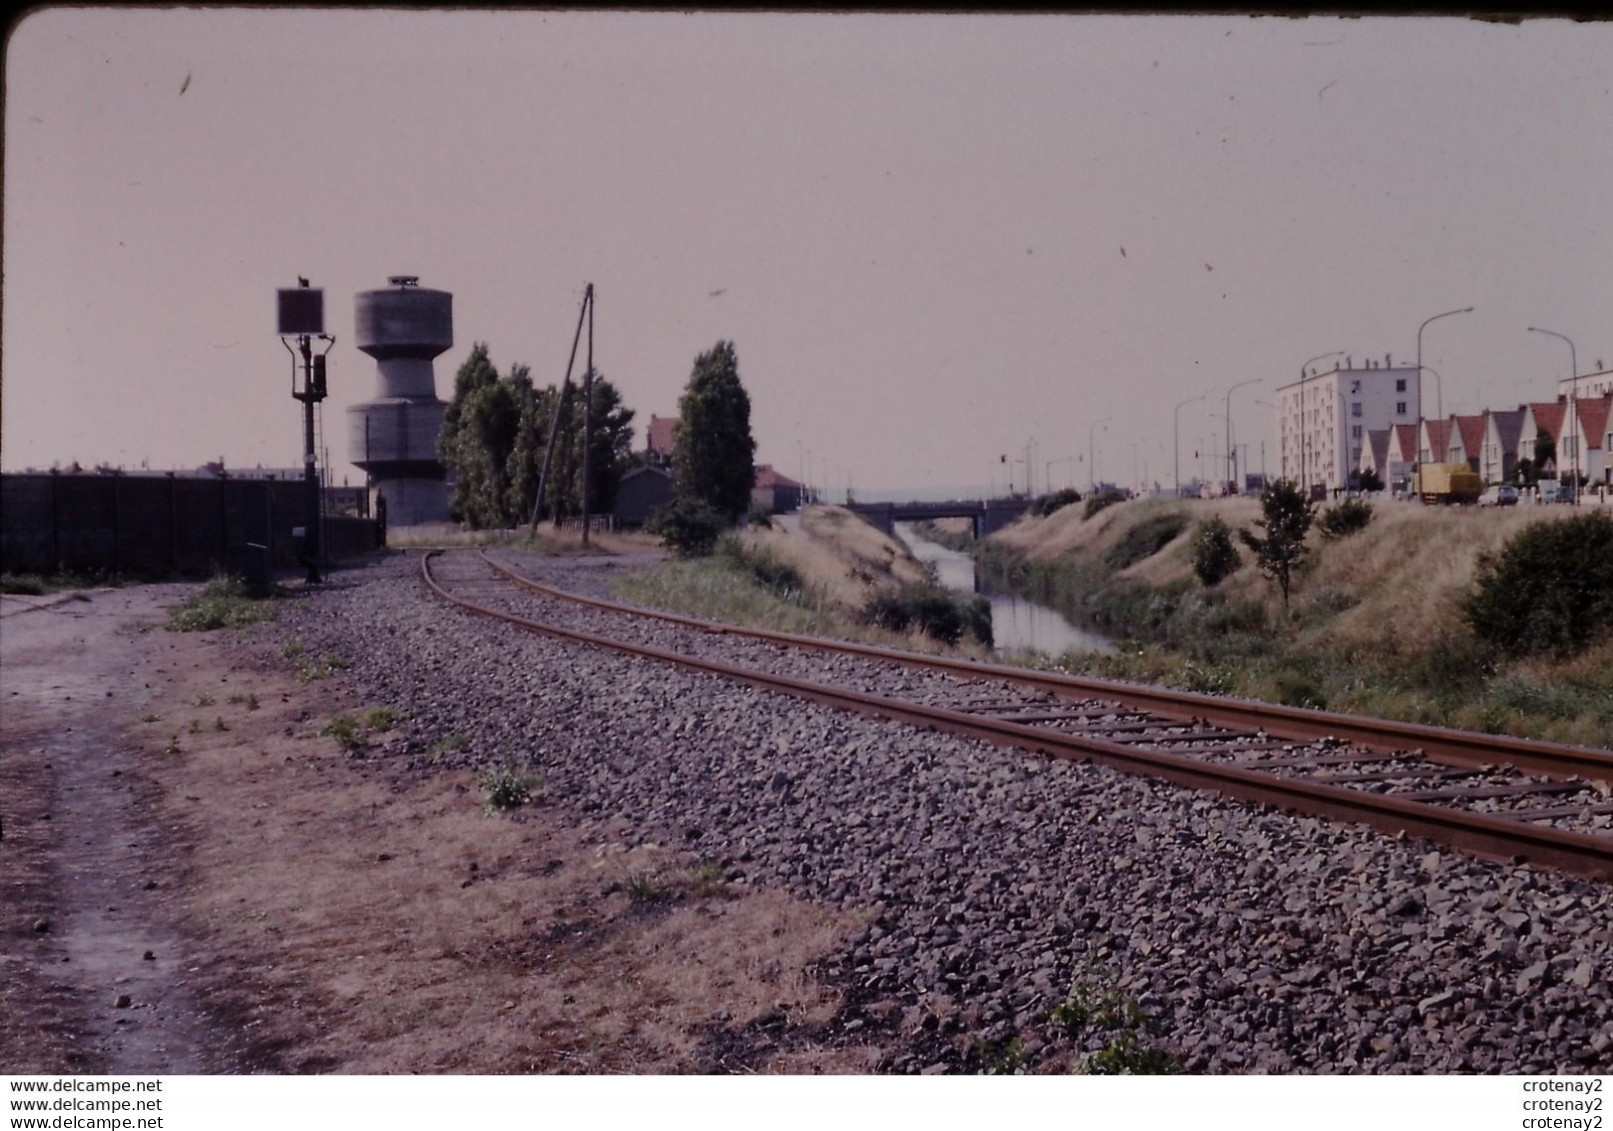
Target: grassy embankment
[[834, 576], [1374, 625]]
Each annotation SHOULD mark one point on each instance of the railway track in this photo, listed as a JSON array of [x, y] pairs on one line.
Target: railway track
[[1546, 804]]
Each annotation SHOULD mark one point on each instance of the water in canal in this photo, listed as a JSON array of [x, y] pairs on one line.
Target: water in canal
[[1016, 624]]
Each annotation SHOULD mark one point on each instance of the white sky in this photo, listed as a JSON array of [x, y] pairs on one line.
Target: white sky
[[910, 225]]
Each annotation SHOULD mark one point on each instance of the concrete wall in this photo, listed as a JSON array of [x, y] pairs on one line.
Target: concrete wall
[[156, 526]]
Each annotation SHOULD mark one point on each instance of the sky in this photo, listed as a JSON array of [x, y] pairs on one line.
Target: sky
[[936, 240]]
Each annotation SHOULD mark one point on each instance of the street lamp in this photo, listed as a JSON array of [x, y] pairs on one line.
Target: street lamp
[[1426, 321], [1304, 436], [1438, 457], [1092, 466], [1232, 477], [1176, 439], [1573, 410]]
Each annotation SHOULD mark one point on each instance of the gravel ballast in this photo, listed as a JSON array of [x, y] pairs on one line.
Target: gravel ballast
[[1229, 937]]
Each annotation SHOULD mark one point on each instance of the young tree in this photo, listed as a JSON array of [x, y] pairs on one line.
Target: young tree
[[1286, 518], [713, 453]]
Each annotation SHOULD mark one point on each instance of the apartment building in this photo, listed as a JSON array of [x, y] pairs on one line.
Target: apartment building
[[1323, 419]]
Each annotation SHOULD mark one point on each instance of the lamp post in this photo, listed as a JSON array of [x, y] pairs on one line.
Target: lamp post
[[1573, 411], [1426, 321], [1303, 435], [1176, 439], [1092, 466], [1232, 476], [1438, 457]]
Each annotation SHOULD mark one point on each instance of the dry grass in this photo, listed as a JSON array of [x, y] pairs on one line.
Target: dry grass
[[373, 925], [840, 557]]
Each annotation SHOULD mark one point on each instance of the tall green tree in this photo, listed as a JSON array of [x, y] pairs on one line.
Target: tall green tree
[[1286, 516], [609, 455], [713, 453], [478, 431]]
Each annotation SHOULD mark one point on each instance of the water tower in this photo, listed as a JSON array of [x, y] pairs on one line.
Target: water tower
[[394, 437]]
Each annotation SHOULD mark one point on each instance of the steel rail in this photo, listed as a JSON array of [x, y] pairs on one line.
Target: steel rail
[[1437, 744], [1480, 834]]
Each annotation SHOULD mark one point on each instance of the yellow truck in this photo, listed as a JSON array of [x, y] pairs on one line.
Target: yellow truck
[[1446, 483]]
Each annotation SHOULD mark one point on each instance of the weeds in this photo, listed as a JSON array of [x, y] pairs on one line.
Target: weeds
[[151, 718], [344, 730], [642, 887], [246, 699], [379, 719], [707, 880], [507, 788], [204, 700], [220, 725], [1096, 1010], [1003, 1059], [447, 746], [322, 669], [23, 584], [291, 649], [222, 603]]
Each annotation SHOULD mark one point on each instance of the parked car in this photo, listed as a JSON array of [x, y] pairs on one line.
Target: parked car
[[1501, 495], [1562, 493]]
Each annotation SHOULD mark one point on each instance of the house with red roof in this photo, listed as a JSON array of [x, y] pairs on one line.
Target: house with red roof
[[1433, 440], [774, 491], [1466, 442], [1541, 416], [1498, 458], [1591, 434]]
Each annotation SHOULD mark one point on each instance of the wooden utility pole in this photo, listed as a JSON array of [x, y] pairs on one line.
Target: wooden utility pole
[[586, 311]]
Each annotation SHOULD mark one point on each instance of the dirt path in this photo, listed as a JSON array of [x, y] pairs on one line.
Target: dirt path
[[201, 876], [94, 974]]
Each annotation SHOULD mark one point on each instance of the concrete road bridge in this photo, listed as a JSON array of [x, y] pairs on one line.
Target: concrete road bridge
[[986, 516]]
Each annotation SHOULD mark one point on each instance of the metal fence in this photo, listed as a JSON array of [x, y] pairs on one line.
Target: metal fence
[[159, 525]]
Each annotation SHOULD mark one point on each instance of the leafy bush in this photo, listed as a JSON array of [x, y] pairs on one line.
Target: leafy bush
[[1145, 540], [1370, 481], [1057, 500], [935, 612], [1549, 590], [1099, 501], [1345, 519], [689, 528], [1215, 558]]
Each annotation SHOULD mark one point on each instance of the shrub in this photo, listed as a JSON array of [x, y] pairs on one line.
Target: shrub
[[1099, 501], [1215, 558], [1057, 500], [1345, 519], [688, 528], [1370, 481], [1549, 590], [938, 614], [1145, 540]]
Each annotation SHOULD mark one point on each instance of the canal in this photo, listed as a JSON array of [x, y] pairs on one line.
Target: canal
[[1017, 625]]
